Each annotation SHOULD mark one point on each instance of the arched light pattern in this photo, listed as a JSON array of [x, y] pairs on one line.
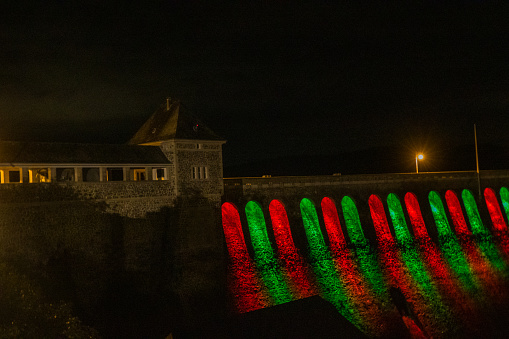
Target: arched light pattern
[[244, 285], [434, 262], [416, 267], [504, 196], [346, 266], [437, 209], [352, 221], [474, 219], [376, 208], [332, 225], [332, 288], [458, 220], [264, 255], [449, 245], [366, 259], [398, 220], [415, 216], [497, 218], [299, 277]]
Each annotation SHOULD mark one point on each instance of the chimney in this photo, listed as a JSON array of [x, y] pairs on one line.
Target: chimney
[[168, 103]]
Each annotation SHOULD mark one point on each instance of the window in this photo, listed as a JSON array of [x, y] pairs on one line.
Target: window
[[139, 174], [159, 173], [65, 174], [200, 172], [39, 175], [115, 174], [199, 146], [11, 175], [91, 174], [14, 175]]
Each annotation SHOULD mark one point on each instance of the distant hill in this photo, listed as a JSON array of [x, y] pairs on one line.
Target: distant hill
[[376, 160]]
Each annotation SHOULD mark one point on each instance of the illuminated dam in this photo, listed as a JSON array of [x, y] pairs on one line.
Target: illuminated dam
[[428, 253]]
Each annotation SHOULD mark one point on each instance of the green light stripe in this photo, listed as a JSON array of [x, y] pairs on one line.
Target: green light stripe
[[476, 224], [366, 257], [442, 317], [398, 220], [483, 237], [504, 196], [353, 224], [331, 285], [449, 244], [264, 255]]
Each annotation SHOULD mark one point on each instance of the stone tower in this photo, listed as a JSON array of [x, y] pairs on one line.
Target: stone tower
[[196, 239], [194, 150]]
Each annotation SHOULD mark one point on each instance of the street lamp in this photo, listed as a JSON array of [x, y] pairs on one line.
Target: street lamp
[[418, 157]]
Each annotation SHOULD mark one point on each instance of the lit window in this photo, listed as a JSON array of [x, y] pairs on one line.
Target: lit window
[[11, 175], [159, 173], [139, 174], [200, 172], [39, 175]]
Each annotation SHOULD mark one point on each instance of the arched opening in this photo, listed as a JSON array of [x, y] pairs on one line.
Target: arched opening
[[379, 217], [332, 225], [497, 219], [415, 216], [352, 221], [458, 219], [398, 219]]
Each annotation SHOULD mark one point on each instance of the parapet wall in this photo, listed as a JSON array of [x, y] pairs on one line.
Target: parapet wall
[[359, 187]]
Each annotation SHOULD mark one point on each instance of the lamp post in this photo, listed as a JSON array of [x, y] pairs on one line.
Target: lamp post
[[417, 158]]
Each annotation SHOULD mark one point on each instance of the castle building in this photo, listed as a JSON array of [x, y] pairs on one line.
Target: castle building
[[173, 150]]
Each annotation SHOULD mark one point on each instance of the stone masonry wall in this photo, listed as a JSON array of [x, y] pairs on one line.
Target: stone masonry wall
[[102, 244], [129, 199], [209, 156], [291, 190]]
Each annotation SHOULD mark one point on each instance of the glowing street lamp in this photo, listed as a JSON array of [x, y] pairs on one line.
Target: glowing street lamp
[[418, 157]]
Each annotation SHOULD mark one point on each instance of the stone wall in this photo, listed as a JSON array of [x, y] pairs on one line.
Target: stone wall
[[185, 155], [105, 244], [291, 190], [130, 199]]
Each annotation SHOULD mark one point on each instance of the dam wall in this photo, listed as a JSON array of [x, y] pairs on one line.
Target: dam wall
[[291, 190], [397, 255]]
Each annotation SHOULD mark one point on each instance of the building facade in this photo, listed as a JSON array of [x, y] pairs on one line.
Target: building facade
[[173, 154]]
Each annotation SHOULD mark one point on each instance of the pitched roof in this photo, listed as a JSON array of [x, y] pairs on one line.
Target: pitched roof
[[172, 121], [13, 152]]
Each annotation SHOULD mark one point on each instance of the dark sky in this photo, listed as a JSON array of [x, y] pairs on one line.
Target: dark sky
[[275, 78]]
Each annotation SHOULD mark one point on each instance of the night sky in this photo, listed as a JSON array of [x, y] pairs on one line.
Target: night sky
[[275, 78]]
